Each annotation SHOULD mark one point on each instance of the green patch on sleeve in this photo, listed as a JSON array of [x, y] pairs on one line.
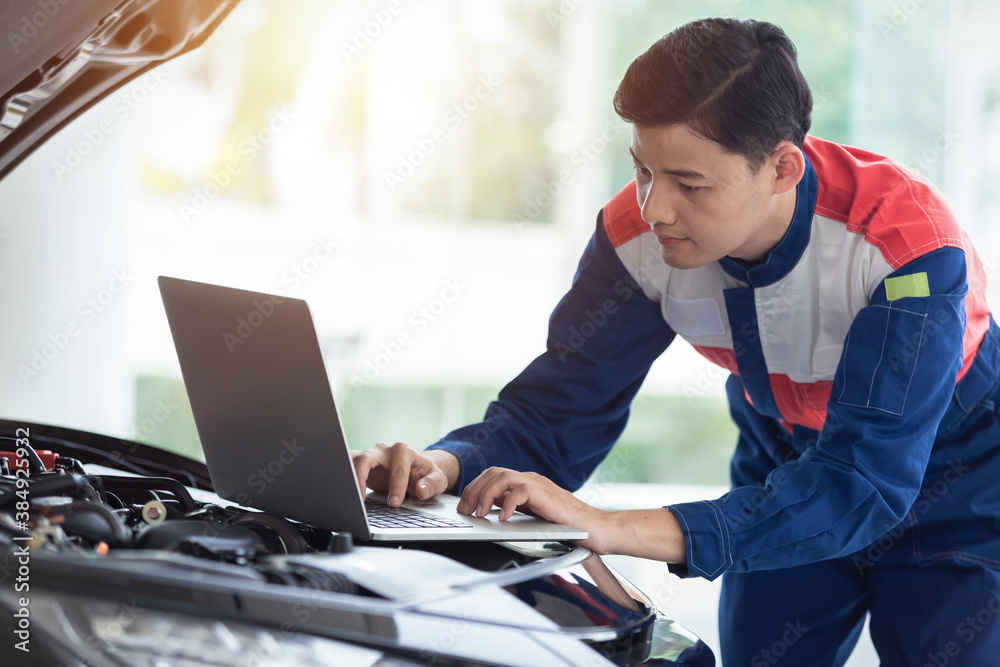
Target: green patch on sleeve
[[901, 287]]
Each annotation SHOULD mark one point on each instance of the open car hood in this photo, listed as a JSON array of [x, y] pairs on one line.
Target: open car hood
[[62, 56]]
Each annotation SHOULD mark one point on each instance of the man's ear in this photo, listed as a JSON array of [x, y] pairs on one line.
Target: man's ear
[[789, 167]]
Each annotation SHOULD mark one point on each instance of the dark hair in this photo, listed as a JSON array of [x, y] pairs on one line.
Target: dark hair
[[736, 82]]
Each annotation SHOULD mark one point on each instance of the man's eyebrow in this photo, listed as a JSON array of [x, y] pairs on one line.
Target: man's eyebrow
[[683, 173]]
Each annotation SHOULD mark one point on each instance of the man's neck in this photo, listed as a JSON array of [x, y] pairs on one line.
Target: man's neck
[[775, 229]]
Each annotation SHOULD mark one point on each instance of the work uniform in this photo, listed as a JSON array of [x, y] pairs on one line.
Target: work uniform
[[864, 381]]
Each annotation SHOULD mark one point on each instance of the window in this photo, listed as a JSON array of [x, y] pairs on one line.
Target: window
[[426, 176]]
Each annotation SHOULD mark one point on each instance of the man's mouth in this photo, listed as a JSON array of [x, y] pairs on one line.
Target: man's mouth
[[670, 240]]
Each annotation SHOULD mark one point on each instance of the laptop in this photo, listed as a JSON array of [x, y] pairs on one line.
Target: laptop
[[270, 430]]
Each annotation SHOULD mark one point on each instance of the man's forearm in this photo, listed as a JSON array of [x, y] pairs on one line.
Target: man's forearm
[[653, 533]]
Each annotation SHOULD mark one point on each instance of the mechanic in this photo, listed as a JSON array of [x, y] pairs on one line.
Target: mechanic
[[838, 289]]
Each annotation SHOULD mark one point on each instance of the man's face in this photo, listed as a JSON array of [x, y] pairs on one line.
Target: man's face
[[702, 202]]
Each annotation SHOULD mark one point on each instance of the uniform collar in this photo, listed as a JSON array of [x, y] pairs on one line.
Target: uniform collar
[[784, 256]]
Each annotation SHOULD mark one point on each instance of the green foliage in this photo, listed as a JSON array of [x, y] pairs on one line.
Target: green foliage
[[669, 439], [673, 440]]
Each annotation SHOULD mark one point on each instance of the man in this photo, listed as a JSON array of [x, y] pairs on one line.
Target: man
[[838, 289]]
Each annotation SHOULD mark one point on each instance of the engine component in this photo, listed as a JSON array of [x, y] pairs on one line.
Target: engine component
[[154, 512]]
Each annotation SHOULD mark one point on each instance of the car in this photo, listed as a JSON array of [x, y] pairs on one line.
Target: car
[[114, 552]]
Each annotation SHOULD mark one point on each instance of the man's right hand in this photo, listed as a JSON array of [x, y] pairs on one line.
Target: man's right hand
[[397, 470]]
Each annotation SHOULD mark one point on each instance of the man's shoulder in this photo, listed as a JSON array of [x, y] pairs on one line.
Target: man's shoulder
[[855, 183], [894, 206]]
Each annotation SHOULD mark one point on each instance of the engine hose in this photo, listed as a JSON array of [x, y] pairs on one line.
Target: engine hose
[[122, 534], [153, 484], [51, 484], [291, 539]]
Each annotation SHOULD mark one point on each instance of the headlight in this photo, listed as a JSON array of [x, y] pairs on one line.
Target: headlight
[[102, 632]]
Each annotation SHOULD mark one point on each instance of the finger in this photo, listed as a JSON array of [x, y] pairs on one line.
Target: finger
[[514, 499], [400, 460], [469, 501], [495, 491], [362, 466], [432, 484], [422, 480]]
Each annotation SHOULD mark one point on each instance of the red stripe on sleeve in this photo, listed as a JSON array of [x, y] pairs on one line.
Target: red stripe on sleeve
[[622, 219], [896, 208]]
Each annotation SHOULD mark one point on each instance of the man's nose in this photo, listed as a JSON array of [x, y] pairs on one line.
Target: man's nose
[[657, 206]]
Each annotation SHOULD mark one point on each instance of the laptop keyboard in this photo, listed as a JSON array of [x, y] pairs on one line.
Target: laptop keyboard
[[381, 515]]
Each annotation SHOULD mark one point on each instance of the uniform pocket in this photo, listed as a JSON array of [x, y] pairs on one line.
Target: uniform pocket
[[695, 317], [880, 355]]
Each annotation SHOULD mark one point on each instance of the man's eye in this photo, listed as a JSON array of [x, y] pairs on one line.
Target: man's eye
[[689, 188], [640, 169]]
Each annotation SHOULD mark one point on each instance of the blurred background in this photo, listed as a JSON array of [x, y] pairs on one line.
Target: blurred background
[[426, 174]]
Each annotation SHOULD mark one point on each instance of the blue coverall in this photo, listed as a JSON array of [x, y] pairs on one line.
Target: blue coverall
[[865, 383]]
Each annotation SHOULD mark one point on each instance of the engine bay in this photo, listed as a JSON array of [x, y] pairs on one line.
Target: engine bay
[[93, 528]]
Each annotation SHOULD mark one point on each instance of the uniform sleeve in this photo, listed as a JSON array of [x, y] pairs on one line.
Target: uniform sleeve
[[895, 380], [564, 412]]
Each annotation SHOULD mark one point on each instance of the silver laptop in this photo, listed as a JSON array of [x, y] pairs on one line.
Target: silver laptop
[[270, 431]]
